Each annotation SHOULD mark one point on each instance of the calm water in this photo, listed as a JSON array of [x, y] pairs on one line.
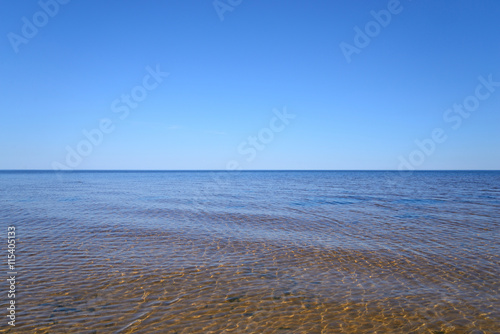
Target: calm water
[[254, 252]]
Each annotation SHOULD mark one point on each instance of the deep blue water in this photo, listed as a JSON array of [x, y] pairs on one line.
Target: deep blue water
[[329, 209]]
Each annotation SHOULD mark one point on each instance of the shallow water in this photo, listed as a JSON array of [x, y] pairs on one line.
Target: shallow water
[[254, 252]]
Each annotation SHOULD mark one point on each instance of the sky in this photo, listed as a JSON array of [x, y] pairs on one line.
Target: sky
[[239, 84]]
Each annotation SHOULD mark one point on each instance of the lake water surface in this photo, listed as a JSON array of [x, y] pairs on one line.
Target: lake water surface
[[254, 252]]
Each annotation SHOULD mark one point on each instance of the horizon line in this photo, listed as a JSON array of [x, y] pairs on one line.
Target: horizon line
[[249, 170]]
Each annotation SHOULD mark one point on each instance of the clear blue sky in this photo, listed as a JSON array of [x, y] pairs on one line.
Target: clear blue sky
[[227, 76]]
